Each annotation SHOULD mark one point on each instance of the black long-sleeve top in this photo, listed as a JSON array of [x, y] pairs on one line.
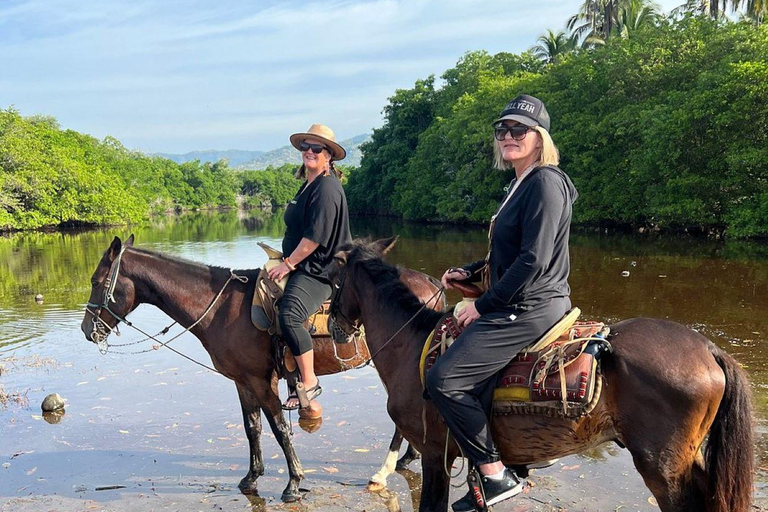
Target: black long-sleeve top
[[529, 260]]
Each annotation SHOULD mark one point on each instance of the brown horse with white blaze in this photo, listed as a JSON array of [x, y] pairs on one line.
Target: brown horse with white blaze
[[215, 304], [666, 389]]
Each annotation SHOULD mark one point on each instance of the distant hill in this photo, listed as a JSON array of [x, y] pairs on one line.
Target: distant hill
[[242, 160], [288, 154], [236, 157]]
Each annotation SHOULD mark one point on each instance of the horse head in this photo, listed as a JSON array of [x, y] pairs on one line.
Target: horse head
[[344, 320], [112, 295]]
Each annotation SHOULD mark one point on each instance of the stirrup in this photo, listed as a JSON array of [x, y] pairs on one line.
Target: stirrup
[[306, 396]]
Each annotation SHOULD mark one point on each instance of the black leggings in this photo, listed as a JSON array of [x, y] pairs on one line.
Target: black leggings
[[462, 381], [303, 295]]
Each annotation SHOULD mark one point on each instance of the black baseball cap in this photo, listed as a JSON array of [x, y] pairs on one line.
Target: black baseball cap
[[526, 110]]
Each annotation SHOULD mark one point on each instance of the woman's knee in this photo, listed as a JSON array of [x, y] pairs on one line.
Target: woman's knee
[[435, 381], [291, 313]]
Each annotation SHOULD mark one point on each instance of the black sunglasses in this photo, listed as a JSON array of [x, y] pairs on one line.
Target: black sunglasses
[[316, 148], [517, 131]]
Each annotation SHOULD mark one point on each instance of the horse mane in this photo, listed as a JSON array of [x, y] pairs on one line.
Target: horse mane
[[389, 289], [196, 266]]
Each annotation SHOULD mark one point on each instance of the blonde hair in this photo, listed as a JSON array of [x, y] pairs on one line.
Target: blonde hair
[[549, 154]]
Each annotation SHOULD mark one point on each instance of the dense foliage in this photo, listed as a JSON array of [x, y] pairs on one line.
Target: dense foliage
[[55, 177], [665, 129]]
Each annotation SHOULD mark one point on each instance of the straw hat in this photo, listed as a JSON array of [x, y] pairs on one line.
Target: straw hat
[[324, 134]]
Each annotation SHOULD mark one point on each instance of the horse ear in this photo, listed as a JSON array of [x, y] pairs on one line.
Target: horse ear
[[129, 242], [114, 248], [386, 244]]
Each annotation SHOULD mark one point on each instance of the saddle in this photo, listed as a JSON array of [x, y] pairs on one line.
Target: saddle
[[264, 308], [264, 311], [558, 375]]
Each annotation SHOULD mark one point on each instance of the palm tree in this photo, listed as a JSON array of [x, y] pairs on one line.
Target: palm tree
[[552, 45], [635, 15], [598, 20], [754, 10]]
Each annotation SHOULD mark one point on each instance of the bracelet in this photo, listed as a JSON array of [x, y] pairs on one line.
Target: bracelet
[[288, 264]]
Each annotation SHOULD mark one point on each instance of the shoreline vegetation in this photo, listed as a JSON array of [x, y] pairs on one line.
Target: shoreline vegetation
[[661, 121]]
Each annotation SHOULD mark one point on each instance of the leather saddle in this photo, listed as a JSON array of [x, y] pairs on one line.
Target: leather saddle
[[556, 375], [267, 295]]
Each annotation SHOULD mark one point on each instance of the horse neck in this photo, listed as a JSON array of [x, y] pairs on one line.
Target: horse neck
[[383, 318], [181, 289]]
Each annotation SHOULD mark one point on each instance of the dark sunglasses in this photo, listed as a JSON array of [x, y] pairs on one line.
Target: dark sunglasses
[[517, 131], [316, 148]]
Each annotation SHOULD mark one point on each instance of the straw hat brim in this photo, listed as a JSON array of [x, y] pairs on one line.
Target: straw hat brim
[[338, 152]]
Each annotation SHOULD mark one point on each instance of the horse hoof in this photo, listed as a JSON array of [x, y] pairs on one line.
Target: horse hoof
[[290, 496], [375, 486], [313, 412], [248, 486]]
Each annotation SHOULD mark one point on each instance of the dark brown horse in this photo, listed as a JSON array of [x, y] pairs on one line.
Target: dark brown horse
[[666, 389], [217, 308]]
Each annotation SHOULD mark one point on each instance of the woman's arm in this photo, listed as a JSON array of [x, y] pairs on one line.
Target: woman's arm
[[304, 249], [540, 228]]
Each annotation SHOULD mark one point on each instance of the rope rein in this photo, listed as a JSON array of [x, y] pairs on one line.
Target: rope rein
[[101, 330], [438, 294]]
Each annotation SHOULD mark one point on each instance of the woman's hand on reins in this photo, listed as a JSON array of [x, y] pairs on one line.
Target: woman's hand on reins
[[453, 274], [279, 272]]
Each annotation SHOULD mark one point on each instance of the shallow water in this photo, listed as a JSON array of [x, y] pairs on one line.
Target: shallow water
[[170, 432]]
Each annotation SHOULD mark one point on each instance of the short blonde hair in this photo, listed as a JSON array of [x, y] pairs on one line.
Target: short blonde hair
[[549, 153]]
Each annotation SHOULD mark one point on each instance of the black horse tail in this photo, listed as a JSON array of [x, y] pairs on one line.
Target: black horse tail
[[730, 461]]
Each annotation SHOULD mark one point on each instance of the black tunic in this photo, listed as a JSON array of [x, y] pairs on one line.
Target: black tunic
[[529, 248], [319, 213]]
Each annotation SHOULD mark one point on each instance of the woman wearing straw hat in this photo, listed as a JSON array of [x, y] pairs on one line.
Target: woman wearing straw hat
[[317, 223]]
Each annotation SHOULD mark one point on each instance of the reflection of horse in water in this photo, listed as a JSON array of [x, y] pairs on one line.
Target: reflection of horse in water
[[666, 389], [126, 277]]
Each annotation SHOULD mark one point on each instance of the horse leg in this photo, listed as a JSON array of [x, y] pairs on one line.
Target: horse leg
[[282, 431], [411, 454], [435, 488], [665, 435], [379, 480], [252, 424]]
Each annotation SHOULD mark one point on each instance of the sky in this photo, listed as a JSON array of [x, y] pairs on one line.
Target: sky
[[182, 75]]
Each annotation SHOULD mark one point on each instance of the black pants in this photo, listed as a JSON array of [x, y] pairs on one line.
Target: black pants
[[463, 379], [303, 295]]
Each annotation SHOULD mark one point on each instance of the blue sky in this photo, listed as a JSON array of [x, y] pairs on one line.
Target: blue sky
[[182, 75]]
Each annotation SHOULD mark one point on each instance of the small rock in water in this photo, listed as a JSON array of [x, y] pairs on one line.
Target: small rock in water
[[53, 402], [39, 298]]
